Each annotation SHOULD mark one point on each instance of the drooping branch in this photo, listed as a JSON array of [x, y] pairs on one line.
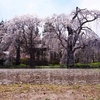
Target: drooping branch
[[61, 40]]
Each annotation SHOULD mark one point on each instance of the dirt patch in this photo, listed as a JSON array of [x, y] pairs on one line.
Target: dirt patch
[[50, 76], [49, 84], [49, 92]]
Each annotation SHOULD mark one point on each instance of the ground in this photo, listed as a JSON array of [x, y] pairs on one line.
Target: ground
[[49, 92]]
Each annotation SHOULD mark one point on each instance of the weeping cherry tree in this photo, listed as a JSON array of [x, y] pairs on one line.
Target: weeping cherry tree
[[72, 30]]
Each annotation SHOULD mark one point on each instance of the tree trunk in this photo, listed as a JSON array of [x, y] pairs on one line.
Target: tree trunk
[[18, 55], [32, 64], [70, 44], [70, 58]]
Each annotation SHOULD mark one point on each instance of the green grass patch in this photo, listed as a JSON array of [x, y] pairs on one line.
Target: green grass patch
[[91, 65], [80, 65], [49, 66], [95, 65]]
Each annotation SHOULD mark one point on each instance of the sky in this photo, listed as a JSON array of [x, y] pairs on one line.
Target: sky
[[43, 8]]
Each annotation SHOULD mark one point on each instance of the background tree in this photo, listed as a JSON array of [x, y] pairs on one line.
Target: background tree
[[11, 41], [1, 30], [22, 32], [52, 43], [90, 53], [31, 35]]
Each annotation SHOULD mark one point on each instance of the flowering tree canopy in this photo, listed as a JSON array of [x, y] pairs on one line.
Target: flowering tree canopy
[[72, 30]]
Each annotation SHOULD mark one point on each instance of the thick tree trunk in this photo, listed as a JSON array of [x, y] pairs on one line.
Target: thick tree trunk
[[32, 64], [18, 56], [70, 59], [70, 44]]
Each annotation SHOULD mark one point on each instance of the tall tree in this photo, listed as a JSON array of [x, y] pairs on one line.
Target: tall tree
[[11, 40], [31, 36], [22, 32], [72, 30]]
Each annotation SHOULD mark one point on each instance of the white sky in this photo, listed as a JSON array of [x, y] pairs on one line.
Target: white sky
[[43, 8]]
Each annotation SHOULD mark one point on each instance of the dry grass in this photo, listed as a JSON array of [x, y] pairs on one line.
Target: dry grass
[[49, 92]]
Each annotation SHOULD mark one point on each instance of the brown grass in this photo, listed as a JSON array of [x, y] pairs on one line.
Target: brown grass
[[49, 92]]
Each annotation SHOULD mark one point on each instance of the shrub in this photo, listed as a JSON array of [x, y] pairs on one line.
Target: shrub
[[54, 61], [24, 61], [23, 66], [63, 66]]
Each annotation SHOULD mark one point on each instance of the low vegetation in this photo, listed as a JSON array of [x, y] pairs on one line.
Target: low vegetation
[[91, 65], [78, 65], [49, 92]]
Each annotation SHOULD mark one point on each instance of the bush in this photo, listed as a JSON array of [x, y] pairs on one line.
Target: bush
[[54, 62], [23, 66], [63, 66], [41, 62], [25, 61]]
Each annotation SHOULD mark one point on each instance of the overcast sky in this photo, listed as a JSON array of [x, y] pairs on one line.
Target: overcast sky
[[43, 8]]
